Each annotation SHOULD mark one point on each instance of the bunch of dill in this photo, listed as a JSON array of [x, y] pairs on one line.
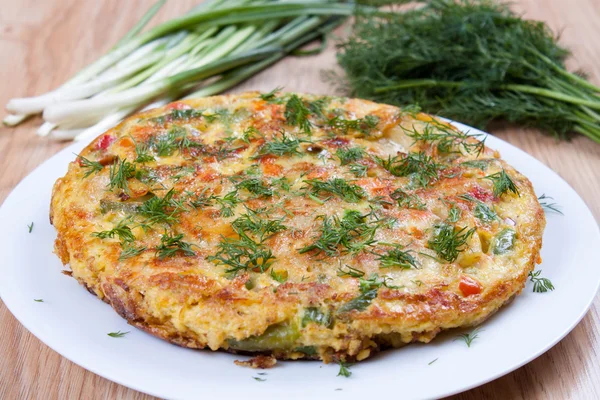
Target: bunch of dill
[[470, 60]]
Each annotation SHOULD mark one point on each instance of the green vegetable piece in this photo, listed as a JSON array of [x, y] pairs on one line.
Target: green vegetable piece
[[504, 241], [313, 314], [281, 336]]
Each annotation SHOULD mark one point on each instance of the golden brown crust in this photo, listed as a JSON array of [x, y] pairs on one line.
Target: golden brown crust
[[190, 300]]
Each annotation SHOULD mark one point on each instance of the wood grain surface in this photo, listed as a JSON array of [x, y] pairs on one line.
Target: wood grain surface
[[43, 42]]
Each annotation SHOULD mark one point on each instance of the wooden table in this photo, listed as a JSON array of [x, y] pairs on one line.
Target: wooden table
[[44, 42]]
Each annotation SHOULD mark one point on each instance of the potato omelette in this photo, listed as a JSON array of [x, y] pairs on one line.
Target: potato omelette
[[295, 225]]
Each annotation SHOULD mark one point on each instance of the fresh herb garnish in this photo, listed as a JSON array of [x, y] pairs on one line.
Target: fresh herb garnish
[[353, 233], [117, 334], [122, 230], [454, 214], [227, 203], [270, 96], [131, 251], [479, 164], [547, 206], [281, 145], [359, 170], [432, 361], [397, 258], [297, 113], [255, 186], [91, 167], [142, 151], [259, 379], [344, 369], [38, 300], [280, 276], [502, 183], [446, 139], [368, 291], [171, 245], [30, 227], [350, 271], [448, 241], [363, 125], [468, 338], [350, 154], [421, 168], [159, 210], [406, 200], [540, 285], [350, 193], [256, 224], [120, 172]]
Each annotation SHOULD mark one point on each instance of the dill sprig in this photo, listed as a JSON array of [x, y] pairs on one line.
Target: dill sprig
[[257, 224], [358, 170], [142, 152], [368, 292], [227, 203], [547, 206], [540, 285], [468, 338], [350, 271], [362, 125], [349, 154], [242, 253], [353, 233], [117, 334], [130, 251], [448, 241], [297, 113], [344, 369], [281, 145], [122, 231], [159, 210], [397, 258], [421, 168], [473, 61], [120, 172], [502, 183], [271, 96], [91, 167], [170, 245], [255, 186], [446, 139], [454, 214], [350, 193], [406, 200]]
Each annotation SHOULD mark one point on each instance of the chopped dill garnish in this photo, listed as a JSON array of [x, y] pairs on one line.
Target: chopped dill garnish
[[421, 168], [432, 361], [255, 186], [120, 172], [344, 370], [38, 300], [348, 155], [91, 167], [297, 113], [468, 338], [339, 187], [131, 251], [540, 285], [242, 253], [201, 200], [281, 145], [448, 241], [255, 223], [502, 183], [122, 230], [170, 245], [396, 257], [227, 203], [446, 138], [30, 227], [363, 125], [406, 200], [549, 207], [259, 379], [161, 209], [142, 151], [249, 134], [481, 210], [313, 314], [368, 291], [282, 183], [359, 170], [117, 334], [454, 214], [353, 232], [350, 271], [271, 96]]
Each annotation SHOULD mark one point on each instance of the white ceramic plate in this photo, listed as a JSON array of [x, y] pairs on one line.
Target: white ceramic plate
[[75, 323]]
